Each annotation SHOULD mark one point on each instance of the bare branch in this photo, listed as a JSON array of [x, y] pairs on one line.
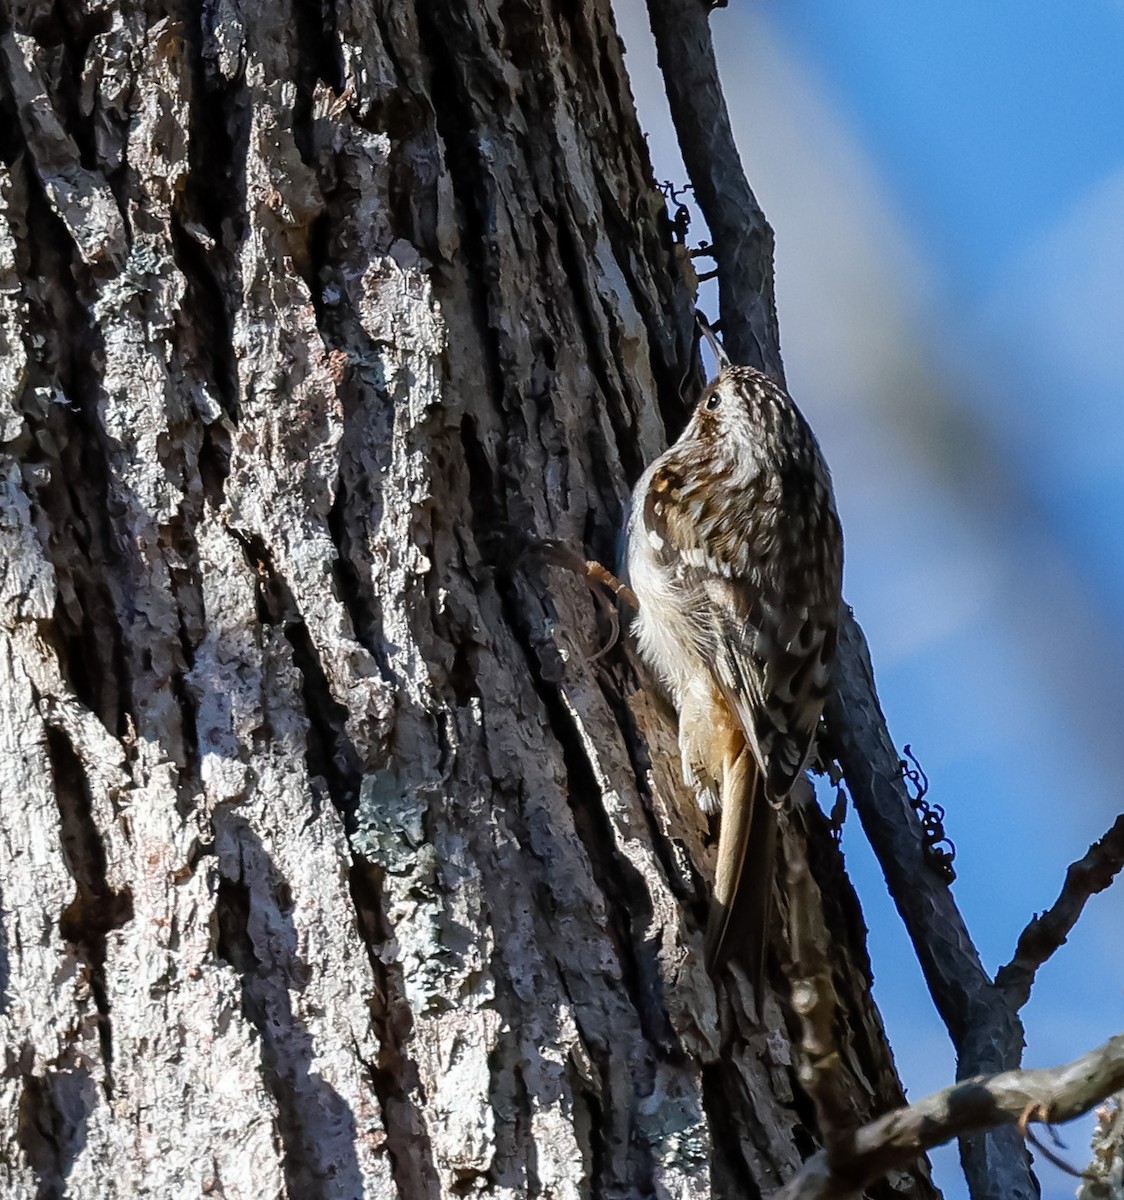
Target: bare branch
[[984, 1102], [1045, 934], [985, 1030], [742, 242], [957, 980]]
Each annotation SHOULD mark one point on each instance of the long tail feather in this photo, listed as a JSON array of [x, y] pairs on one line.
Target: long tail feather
[[738, 924]]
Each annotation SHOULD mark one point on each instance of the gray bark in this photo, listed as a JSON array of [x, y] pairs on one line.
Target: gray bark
[[332, 861]]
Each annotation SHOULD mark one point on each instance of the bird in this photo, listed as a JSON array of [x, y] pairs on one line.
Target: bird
[[735, 555]]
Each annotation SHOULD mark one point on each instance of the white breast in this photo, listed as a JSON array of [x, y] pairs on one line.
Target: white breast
[[662, 626]]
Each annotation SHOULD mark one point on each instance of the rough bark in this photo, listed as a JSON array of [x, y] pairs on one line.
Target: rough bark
[[332, 862]]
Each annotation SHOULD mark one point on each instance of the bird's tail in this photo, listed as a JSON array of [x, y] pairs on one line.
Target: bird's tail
[[738, 925]]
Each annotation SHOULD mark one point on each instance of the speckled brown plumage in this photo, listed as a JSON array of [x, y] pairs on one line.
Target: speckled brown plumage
[[736, 557]]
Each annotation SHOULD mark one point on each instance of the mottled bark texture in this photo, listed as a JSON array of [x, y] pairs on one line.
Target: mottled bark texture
[[332, 860]]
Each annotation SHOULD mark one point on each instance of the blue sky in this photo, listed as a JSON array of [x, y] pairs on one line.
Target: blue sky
[[946, 183], [1010, 109]]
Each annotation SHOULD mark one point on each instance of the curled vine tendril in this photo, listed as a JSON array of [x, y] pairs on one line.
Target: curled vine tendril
[[937, 846], [681, 221]]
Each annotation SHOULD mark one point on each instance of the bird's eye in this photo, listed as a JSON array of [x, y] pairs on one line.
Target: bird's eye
[[713, 401]]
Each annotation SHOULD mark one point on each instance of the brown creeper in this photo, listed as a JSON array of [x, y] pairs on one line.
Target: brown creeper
[[736, 557]]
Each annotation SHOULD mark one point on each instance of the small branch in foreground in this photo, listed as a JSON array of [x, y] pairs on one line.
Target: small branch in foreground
[[1045, 934], [985, 1102]]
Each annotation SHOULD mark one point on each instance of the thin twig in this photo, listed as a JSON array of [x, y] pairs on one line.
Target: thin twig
[[895, 1140], [1045, 934]]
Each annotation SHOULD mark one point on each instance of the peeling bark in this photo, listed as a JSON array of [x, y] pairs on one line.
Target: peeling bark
[[332, 862]]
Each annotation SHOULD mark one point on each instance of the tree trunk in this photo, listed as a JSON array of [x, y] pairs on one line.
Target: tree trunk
[[334, 861]]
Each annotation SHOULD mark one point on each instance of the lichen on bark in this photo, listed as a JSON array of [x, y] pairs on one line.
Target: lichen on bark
[[332, 859]]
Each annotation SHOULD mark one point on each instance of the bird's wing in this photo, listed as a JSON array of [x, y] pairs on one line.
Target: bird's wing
[[773, 665], [765, 622]]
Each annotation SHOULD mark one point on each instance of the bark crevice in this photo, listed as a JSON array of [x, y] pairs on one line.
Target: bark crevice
[[315, 1126], [97, 909], [65, 452], [394, 1074], [53, 1111], [208, 220]]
